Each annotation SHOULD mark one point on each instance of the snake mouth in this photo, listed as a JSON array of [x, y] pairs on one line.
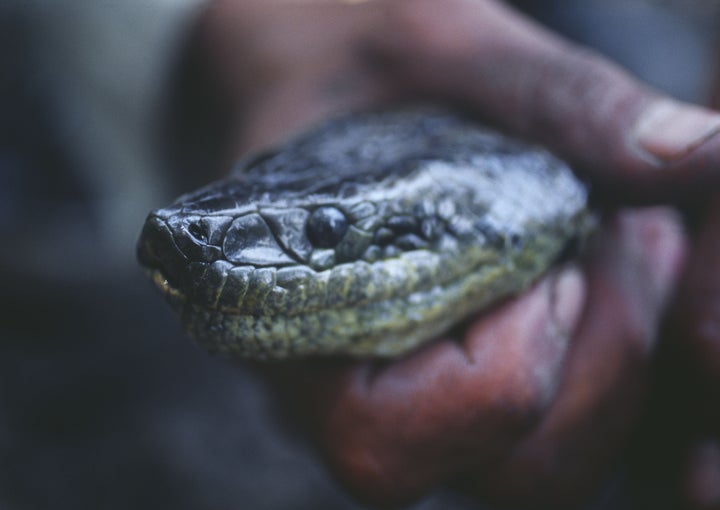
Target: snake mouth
[[164, 262], [380, 328], [172, 294]]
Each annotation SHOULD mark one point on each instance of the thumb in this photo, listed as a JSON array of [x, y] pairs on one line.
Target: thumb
[[630, 140]]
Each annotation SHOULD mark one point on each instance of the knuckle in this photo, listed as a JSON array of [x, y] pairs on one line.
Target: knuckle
[[431, 27], [576, 87], [574, 72], [364, 453], [367, 469], [529, 384], [524, 400]]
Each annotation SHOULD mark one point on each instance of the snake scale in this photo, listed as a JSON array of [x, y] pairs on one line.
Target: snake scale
[[367, 236]]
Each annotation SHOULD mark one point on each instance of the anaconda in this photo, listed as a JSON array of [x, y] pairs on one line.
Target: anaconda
[[367, 236]]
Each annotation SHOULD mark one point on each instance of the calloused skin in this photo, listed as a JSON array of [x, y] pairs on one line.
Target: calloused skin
[[534, 402]]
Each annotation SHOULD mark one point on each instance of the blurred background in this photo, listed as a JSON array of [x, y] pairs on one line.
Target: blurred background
[[104, 401]]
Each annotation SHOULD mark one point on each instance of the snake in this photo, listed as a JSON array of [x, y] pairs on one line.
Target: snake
[[368, 235]]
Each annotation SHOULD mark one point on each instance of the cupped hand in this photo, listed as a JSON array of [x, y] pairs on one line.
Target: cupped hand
[[533, 401], [530, 403], [686, 414]]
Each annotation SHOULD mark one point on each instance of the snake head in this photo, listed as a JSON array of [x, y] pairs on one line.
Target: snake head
[[367, 236]]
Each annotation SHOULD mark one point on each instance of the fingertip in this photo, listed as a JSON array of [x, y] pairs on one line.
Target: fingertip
[[637, 146], [667, 130], [656, 241]]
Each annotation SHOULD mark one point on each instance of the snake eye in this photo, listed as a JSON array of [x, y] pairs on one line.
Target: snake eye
[[326, 226]]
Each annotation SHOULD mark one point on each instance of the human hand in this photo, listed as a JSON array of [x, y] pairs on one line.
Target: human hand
[[529, 404], [682, 446], [541, 394]]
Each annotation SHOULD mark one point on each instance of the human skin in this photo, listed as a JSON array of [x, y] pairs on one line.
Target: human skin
[[535, 401]]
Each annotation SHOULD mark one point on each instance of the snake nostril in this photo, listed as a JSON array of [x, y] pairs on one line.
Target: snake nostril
[[198, 232]]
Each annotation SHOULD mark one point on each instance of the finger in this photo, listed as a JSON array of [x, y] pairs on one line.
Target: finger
[[392, 432], [691, 372], [631, 140], [285, 65], [630, 277], [696, 312]]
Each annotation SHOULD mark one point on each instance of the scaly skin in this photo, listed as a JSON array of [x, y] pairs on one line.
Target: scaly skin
[[368, 236]]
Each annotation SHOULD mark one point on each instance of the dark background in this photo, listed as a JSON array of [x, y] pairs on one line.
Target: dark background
[[104, 402]]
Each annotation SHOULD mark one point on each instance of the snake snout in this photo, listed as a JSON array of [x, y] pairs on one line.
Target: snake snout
[[156, 249]]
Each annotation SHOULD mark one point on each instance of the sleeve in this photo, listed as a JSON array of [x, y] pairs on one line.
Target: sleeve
[[90, 77]]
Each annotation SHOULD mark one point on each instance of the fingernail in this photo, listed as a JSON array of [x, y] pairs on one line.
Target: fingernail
[[567, 300], [669, 129]]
